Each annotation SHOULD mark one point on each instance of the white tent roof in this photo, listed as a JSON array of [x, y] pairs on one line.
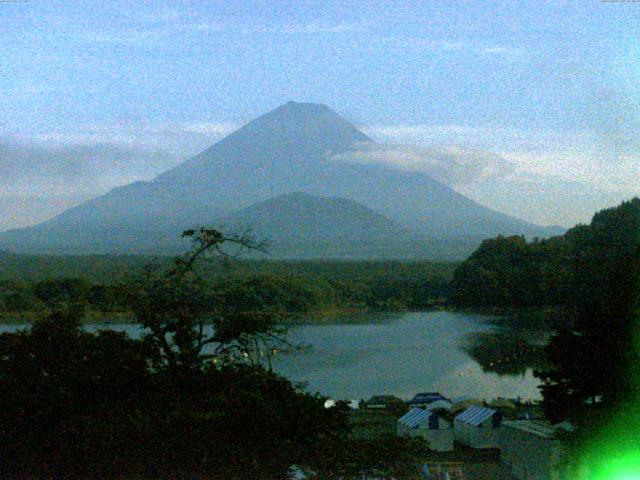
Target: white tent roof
[[475, 415], [414, 417]]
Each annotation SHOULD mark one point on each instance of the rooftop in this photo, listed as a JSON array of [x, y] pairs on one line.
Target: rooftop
[[426, 397], [382, 399], [414, 417], [538, 428], [475, 415]]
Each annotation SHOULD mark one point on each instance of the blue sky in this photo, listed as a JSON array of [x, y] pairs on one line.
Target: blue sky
[[553, 87]]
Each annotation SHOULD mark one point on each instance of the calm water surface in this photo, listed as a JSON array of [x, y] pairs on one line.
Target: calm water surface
[[403, 353]]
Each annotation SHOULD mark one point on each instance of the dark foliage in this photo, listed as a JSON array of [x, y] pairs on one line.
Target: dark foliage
[[293, 288], [86, 405], [182, 401], [592, 272], [509, 272], [561, 271]]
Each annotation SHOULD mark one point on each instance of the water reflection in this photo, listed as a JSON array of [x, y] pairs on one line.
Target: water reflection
[[458, 354], [513, 347], [410, 352]]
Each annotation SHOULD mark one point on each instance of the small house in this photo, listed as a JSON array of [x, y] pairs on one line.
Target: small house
[[430, 426], [532, 450], [477, 427], [421, 400], [440, 405]]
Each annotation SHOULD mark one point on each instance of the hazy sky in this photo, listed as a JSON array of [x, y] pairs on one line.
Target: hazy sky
[[545, 95]]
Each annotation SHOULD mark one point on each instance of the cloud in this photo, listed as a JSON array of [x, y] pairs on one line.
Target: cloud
[[422, 134], [36, 169], [124, 37], [489, 138], [453, 166], [613, 117], [580, 166], [308, 28], [166, 16], [450, 46], [42, 174], [510, 53], [543, 199], [184, 19], [18, 211], [180, 139], [161, 27], [543, 176], [212, 129], [321, 27], [573, 156], [95, 158]]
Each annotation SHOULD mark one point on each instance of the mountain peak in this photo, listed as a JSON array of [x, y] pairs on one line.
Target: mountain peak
[[302, 121], [292, 135], [303, 107]]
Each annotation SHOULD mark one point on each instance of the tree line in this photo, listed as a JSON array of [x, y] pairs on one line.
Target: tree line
[[294, 287], [593, 373], [560, 271]]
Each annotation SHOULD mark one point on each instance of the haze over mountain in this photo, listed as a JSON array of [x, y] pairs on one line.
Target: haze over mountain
[[297, 147]]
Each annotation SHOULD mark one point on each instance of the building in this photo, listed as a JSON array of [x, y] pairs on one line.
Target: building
[[478, 427], [443, 470], [439, 405], [421, 400], [381, 402], [429, 425], [531, 448]]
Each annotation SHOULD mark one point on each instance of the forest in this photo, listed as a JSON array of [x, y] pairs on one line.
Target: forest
[[591, 276], [29, 285], [75, 404], [510, 272]]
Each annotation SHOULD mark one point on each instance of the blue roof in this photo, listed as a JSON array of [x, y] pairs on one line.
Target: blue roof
[[439, 404], [415, 417], [427, 397], [476, 415]]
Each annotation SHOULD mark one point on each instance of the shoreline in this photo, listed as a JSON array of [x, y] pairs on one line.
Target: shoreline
[[328, 316], [547, 315]]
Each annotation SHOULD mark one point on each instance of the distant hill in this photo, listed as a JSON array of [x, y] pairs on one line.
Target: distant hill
[[558, 271], [300, 225], [309, 218], [287, 150]]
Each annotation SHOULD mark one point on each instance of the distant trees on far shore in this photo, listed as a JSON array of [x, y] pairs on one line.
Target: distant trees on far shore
[[592, 273], [297, 288]]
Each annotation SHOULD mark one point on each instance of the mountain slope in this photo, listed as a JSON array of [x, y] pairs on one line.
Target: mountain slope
[[286, 150], [299, 225], [307, 217]]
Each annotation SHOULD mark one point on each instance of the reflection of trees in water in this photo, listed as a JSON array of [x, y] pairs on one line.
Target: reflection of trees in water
[[505, 352]]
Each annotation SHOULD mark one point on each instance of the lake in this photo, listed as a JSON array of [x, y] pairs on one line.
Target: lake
[[404, 353], [457, 354]]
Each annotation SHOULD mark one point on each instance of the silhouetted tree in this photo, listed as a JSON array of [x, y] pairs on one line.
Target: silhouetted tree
[[192, 398], [592, 359], [176, 304]]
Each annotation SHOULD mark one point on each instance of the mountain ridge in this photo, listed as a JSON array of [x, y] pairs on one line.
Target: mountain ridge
[[286, 150]]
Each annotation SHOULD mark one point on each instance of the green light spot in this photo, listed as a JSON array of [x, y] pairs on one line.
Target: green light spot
[[626, 467]]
